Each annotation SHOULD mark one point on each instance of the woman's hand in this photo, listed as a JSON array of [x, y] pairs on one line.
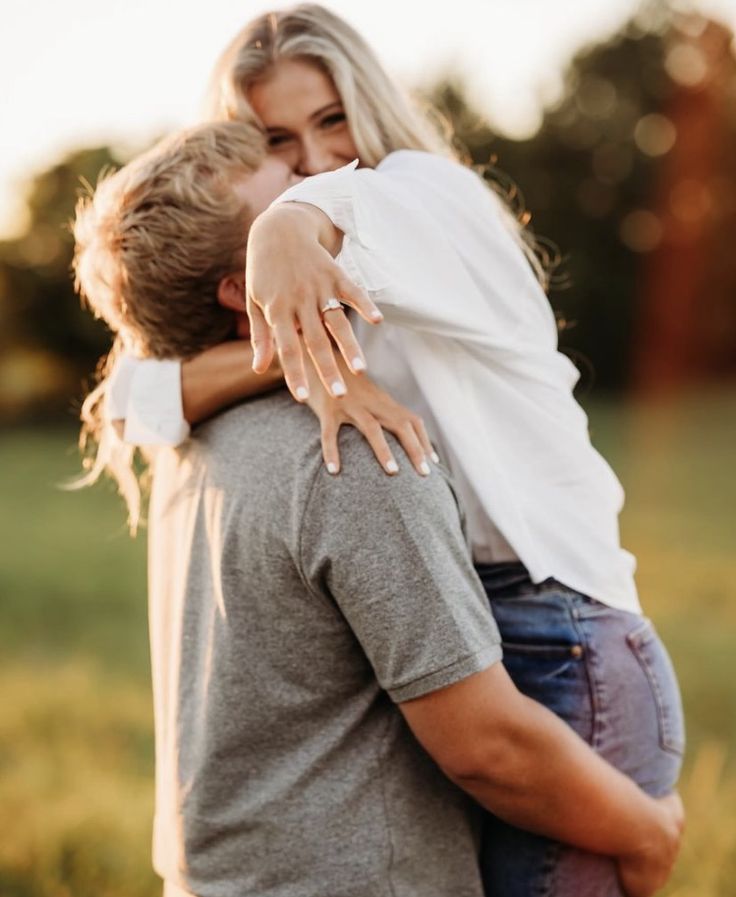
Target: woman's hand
[[370, 410], [290, 277]]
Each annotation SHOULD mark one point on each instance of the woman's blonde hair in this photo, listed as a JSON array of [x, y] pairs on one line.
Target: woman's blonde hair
[[380, 116], [152, 244]]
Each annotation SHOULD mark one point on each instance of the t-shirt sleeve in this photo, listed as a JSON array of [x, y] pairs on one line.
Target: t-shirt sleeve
[[146, 394], [391, 553]]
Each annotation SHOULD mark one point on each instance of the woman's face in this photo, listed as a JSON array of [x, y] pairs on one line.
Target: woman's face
[[304, 117]]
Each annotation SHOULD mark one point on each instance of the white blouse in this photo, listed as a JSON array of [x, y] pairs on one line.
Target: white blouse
[[470, 342]]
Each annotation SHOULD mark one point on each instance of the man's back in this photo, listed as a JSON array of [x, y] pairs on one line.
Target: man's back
[[289, 611]]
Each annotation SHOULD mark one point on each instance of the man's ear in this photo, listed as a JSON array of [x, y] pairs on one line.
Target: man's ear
[[231, 291]]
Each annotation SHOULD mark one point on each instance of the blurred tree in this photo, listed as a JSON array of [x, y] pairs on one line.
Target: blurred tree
[[592, 180], [48, 343], [687, 320], [631, 176]]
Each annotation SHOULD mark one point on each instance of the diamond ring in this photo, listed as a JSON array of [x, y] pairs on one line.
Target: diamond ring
[[331, 305]]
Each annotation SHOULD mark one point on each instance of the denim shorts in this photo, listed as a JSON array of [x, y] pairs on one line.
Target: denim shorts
[[606, 673]]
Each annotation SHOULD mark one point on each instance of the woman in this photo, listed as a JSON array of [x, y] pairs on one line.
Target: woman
[[470, 341]]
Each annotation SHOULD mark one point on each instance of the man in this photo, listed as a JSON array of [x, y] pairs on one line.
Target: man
[[325, 668]]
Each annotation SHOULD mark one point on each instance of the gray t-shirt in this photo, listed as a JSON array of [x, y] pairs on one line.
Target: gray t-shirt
[[289, 610]]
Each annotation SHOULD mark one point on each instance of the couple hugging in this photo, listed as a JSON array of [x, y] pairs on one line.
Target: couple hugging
[[351, 660]]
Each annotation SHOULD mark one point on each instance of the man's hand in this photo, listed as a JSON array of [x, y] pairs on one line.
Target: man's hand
[[646, 871], [290, 278], [527, 766]]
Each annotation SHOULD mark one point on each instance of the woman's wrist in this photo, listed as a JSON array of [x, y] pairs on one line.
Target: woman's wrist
[[297, 221]]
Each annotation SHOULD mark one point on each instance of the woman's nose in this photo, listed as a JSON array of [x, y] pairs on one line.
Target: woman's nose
[[314, 159]]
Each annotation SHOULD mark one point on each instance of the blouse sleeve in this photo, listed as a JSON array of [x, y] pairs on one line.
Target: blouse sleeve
[[429, 241], [438, 251], [146, 394]]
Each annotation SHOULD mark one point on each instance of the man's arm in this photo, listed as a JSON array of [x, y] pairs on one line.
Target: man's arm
[[525, 765], [391, 554]]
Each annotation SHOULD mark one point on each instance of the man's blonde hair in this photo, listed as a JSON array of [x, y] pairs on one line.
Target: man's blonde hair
[[153, 242], [156, 238]]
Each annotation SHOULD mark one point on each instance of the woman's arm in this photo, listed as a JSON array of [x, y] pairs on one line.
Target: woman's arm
[[422, 236], [152, 402], [221, 376]]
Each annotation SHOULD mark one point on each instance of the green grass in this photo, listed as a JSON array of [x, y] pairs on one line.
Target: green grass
[[76, 744], [71, 579]]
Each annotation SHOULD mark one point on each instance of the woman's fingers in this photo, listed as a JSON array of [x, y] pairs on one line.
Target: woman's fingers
[[410, 442], [340, 329], [423, 437], [330, 449], [356, 297], [260, 338], [289, 350], [318, 344], [373, 432]]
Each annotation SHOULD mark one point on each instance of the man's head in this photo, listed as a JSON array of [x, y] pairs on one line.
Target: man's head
[[160, 246]]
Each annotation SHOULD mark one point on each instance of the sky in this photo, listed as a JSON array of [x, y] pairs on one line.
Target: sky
[[86, 72]]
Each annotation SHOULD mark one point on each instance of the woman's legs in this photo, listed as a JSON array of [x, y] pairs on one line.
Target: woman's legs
[[606, 673]]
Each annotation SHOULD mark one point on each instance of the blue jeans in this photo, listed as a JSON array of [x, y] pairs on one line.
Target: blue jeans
[[606, 673]]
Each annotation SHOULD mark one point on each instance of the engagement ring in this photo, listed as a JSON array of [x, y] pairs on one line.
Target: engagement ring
[[331, 305]]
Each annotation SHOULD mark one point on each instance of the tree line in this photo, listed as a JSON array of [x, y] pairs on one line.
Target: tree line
[[629, 184]]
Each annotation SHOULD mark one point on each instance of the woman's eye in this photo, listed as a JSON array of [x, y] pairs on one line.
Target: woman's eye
[[331, 120], [277, 140]]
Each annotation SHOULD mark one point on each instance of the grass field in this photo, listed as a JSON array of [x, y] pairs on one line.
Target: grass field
[[76, 744]]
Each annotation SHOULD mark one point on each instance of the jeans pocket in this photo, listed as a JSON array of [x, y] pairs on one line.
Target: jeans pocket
[[657, 666], [554, 675], [544, 651]]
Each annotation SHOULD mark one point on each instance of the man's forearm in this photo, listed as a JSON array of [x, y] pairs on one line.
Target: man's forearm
[[539, 775], [529, 768]]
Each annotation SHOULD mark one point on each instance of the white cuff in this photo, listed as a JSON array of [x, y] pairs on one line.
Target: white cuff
[[146, 394]]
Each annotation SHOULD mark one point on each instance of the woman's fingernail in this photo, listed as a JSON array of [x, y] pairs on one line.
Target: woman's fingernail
[[338, 389], [424, 469], [435, 457], [302, 393], [392, 466], [332, 467], [376, 315], [358, 364]]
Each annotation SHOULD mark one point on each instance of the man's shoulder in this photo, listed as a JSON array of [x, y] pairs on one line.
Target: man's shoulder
[[272, 444], [269, 419], [271, 437], [363, 484]]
